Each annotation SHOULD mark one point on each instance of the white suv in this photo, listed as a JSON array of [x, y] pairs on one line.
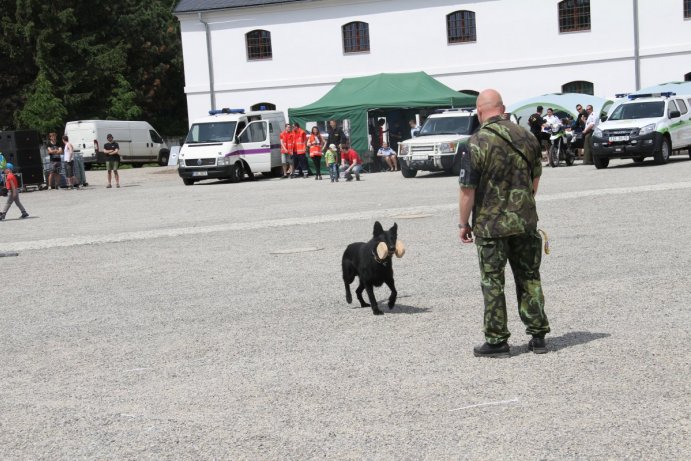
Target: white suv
[[438, 143], [645, 125]]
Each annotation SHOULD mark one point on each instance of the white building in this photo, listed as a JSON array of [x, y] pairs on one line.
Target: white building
[[289, 53]]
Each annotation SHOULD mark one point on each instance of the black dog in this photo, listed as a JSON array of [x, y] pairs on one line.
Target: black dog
[[371, 262]]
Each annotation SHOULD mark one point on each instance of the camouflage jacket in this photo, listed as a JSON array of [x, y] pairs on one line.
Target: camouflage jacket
[[504, 202]]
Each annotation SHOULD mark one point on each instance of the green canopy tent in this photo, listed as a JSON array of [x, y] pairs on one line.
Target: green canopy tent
[[352, 98]]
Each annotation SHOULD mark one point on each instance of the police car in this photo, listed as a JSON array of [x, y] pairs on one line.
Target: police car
[[644, 125]]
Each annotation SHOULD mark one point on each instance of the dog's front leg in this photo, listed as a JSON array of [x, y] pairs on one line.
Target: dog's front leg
[[358, 293], [392, 286], [372, 299]]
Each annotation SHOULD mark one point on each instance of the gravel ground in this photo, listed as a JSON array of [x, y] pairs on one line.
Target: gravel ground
[[159, 321]]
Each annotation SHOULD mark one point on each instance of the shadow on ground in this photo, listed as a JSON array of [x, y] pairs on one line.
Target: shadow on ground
[[570, 339]]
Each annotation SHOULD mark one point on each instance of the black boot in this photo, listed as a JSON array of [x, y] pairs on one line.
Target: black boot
[[537, 345], [500, 350]]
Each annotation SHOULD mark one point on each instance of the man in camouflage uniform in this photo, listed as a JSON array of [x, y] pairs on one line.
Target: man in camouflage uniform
[[498, 184]]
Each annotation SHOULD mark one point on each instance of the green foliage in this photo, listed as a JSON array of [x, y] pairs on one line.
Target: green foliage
[[123, 104], [42, 110], [115, 59]]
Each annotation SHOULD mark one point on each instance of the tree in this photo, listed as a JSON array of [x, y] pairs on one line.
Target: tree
[[120, 58], [122, 101], [42, 111]]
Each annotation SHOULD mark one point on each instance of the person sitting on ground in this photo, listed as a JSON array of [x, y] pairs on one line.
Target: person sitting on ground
[[389, 156], [351, 163]]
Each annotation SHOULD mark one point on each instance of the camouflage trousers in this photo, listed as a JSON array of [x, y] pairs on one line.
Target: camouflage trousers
[[524, 253]]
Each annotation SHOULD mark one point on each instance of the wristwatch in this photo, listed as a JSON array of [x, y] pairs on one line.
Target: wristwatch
[[463, 226]]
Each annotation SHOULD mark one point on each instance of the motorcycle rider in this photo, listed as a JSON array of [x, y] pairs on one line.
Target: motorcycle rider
[[551, 120]]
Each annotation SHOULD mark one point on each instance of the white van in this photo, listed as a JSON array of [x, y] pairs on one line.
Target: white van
[[139, 142], [229, 144], [644, 125]]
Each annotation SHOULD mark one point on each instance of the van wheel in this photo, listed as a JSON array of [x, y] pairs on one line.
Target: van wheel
[[600, 162], [163, 157], [662, 155], [237, 173], [188, 181]]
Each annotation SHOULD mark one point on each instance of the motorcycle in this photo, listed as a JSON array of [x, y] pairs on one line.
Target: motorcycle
[[561, 147]]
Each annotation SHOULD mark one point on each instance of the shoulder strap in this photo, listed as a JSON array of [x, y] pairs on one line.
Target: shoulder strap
[[513, 146]]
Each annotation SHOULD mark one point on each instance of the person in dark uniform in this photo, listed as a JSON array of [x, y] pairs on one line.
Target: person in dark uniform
[[499, 178], [54, 153], [336, 137]]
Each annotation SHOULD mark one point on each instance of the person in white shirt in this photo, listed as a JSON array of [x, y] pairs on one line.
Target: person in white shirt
[[389, 156], [68, 160], [551, 119], [413, 128]]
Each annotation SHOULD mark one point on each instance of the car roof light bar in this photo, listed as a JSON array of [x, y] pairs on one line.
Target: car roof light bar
[[226, 110], [664, 94]]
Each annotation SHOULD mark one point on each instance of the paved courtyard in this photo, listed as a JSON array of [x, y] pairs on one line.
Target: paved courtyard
[[159, 321]]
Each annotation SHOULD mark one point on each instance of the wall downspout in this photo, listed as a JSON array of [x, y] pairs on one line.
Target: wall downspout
[[636, 46], [209, 59]]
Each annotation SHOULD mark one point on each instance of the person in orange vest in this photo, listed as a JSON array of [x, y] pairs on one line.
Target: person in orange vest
[[316, 144], [299, 150], [287, 142]]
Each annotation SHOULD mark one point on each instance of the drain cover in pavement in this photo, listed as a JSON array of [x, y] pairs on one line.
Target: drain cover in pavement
[[412, 216], [295, 250]]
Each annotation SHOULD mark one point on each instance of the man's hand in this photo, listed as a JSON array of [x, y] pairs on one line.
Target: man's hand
[[466, 234]]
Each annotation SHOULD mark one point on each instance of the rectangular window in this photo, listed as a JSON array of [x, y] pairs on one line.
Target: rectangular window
[[460, 27], [687, 9], [259, 44], [356, 37], [574, 15]]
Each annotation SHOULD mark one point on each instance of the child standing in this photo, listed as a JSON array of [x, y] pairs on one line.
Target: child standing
[[331, 159], [12, 192]]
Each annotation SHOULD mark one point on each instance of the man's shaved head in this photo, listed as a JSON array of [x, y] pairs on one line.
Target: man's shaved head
[[489, 104]]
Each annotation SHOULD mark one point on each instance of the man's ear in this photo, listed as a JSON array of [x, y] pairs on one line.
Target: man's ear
[[378, 230], [400, 249]]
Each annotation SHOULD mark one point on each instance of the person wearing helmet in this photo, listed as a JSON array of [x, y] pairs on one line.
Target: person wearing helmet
[[12, 192]]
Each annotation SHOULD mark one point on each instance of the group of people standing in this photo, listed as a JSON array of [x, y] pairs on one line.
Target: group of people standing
[[296, 143], [584, 124]]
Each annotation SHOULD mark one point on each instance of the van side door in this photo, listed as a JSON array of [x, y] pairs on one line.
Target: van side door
[[685, 124], [255, 147], [674, 123]]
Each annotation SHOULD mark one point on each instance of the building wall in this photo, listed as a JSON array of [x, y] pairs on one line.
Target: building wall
[[519, 49]]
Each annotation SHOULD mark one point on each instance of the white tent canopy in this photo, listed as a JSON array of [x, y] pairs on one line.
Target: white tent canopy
[[674, 87], [562, 103]]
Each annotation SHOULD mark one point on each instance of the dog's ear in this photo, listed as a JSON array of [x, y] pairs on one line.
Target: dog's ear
[[400, 249], [378, 230]]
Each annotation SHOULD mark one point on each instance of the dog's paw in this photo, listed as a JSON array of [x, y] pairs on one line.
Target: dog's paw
[[349, 298], [391, 305], [377, 312], [364, 305]]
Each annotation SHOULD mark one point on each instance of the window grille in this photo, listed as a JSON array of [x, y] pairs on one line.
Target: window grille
[[356, 37], [460, 27], [578, 86], [258, 44], [574, 15]]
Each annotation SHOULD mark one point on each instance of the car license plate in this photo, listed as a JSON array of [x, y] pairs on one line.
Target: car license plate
[[420, 157], [618, 138], [200, 173]]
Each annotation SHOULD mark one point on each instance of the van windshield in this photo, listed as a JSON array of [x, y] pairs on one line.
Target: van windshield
[[652, 109], [448, 125], [211, 132]]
